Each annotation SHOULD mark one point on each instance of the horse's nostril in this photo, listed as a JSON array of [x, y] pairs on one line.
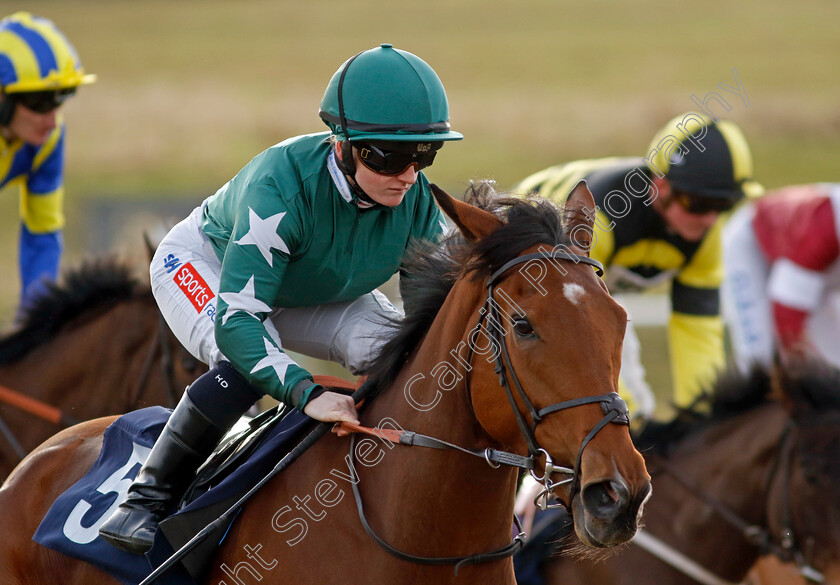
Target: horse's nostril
[[605, 499]]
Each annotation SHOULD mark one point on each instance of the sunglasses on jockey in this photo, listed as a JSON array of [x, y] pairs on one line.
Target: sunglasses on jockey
[[697, 205], [43, 102], [392, 158]]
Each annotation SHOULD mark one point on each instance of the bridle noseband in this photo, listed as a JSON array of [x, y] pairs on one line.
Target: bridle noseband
[[612, 405]]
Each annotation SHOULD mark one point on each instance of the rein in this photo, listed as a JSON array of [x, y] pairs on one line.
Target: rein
[[34, 407], [758, 536], [493, 457], [500, 553], [674, 558]]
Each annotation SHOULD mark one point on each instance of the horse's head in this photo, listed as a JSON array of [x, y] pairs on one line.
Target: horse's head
[[548, 340], [803, 512]]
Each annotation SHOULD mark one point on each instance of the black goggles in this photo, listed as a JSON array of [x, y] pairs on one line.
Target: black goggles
[[43, 102], [384, 161], [696, 205]]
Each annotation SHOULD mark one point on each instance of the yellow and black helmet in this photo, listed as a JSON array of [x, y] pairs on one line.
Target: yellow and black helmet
[[36, 56], [704, 157]]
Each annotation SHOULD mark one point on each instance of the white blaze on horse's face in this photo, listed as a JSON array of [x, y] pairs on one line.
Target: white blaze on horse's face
[[574, 292]]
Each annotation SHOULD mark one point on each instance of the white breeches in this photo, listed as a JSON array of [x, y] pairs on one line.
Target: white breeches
[[185, 279]]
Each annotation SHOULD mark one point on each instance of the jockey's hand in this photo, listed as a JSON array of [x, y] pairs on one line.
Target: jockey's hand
[[332, 407]]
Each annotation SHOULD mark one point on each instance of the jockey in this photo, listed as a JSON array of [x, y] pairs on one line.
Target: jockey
[[39, 71], [781, 288], [292, 248], [658, 220]]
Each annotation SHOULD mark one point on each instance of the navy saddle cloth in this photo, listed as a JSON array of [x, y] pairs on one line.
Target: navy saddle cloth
[[71, 525]]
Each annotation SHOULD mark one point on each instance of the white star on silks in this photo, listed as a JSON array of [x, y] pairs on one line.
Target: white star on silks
[[244, 300], [274, 358], [262, 233]]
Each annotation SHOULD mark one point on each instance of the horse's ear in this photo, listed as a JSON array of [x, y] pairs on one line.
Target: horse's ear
[[578, 217], [805, 383], [789, 383], [476, 224], [150, 247], [778, 381]]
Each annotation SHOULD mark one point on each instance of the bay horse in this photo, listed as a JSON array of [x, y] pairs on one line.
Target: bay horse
[[754, 478], [95, 344], [509, 354]]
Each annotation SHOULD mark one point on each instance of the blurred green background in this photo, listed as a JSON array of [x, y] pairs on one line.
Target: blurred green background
[[190, 90]]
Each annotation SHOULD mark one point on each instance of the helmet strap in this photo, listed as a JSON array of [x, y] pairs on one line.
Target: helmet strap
[[346, 162], [345, 152], [348, 165], [7, 109]]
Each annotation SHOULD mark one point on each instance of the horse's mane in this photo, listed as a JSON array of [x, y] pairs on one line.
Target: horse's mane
[[432, 269], [810, 386], [95, 284]]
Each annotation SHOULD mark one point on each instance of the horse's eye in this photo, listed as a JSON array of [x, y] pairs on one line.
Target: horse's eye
[[523, 327]]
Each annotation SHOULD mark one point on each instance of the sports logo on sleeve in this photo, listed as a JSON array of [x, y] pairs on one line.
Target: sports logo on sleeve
[[190, 282]]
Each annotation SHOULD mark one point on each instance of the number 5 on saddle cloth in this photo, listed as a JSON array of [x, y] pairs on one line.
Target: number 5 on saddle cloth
[[71, 526]]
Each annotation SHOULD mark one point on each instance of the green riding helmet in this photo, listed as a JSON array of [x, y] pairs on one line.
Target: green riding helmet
[[704, 157], [387, 94]]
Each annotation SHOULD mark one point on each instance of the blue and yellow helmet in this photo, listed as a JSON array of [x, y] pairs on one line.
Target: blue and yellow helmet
[[36, 56]]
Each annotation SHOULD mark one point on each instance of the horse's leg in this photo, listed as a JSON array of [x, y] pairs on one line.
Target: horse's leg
[[27, 495]]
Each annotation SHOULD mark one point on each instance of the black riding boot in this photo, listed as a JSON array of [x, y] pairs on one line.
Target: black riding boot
[[187, 440]]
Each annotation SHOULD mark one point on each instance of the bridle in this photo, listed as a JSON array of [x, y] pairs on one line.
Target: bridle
[[614, 409], [612, 405], [788, 548], [167, 366], [785, 548]]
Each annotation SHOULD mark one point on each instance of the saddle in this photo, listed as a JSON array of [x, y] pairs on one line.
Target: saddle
[[264, 438], [233, 450], [241, 442], [242, 458]]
